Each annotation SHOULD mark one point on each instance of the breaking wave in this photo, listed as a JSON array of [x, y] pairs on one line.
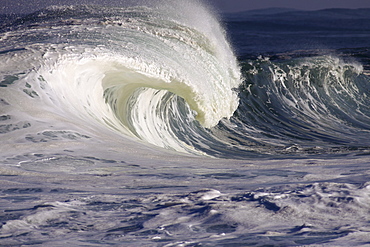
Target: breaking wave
[[170, 78]]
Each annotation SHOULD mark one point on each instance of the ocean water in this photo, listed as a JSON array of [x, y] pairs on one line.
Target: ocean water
[[167, 124]]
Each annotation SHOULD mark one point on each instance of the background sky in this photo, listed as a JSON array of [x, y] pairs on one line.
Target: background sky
[[7, 6]]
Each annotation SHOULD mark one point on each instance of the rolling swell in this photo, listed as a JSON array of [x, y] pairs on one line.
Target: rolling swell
[[304, 106]]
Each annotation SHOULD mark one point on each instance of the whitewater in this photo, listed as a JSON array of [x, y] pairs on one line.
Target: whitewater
[[144, 125]]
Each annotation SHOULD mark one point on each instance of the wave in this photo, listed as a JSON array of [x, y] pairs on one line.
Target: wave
[[171, 79], [143, 71]]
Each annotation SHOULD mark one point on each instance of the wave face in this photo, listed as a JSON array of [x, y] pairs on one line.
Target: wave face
[[148, 72]]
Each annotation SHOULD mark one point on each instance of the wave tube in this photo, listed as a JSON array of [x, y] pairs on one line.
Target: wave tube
[[121, 65]]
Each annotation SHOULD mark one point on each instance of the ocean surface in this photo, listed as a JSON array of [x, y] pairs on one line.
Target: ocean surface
[[172, 125]]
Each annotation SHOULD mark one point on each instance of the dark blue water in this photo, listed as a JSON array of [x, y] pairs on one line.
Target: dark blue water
[[284, 30]]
